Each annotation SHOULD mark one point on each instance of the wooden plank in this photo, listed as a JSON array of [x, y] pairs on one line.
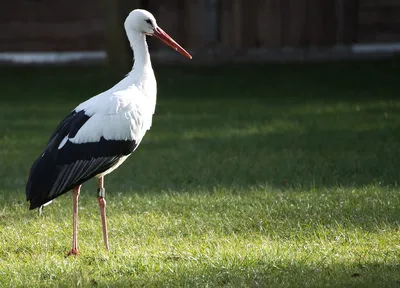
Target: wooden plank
[[119, 53], [322, 22], [170, 17], [373, 16], [152, 7], [315, 22], [195, 18], [53, 44], [237, 24], [368, 36], [382, 28], [379, 24], [249, 37], [201, 24], [285, 21], [379, 3], [347, 12], [248, 23], [295, 26], [226, 29], [269, 23], [232, 24], [330, 22], [211, 26], [42, 11], [69, 30], [52, 25]]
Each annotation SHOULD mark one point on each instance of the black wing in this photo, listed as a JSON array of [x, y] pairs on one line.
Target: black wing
[[57, 171]]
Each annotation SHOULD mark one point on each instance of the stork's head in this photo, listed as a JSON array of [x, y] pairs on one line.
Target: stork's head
[[143, 21]]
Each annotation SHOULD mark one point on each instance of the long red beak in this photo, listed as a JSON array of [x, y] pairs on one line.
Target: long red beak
[[164, 37]]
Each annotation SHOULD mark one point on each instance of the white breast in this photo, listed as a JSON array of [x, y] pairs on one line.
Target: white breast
[[123, 115]]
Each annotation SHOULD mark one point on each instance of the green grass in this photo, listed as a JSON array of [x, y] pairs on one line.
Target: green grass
[[251, 176]]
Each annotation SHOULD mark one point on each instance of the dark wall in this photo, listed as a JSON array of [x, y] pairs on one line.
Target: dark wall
[[58, 25]]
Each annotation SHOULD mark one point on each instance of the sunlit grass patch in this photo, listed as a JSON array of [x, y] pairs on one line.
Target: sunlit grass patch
[[278, 176]]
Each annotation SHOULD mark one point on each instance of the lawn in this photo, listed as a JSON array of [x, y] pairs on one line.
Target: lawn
[[279, 175]]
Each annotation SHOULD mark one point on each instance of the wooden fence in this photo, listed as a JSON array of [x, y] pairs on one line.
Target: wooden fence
[[200, 25]]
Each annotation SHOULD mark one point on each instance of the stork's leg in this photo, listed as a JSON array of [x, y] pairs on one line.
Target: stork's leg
[[75, 198], [102, 204]]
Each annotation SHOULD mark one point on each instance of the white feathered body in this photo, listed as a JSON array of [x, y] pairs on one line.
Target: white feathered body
[[123, 112], [100, 133], [96, 138]]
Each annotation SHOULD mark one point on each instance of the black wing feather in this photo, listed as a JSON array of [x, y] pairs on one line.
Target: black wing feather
[[59, 170]]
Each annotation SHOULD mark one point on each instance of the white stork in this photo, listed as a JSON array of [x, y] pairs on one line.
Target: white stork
[[100, 133]]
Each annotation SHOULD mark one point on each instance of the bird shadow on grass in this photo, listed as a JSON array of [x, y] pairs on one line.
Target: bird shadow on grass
[[300, 153], [265, 273], [313, 157]]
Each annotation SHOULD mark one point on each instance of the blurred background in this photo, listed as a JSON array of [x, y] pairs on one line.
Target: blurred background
[[273, 155], [212, 30]]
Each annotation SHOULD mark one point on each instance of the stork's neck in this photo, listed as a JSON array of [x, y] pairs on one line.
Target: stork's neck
[[142, 75], [140, 51]]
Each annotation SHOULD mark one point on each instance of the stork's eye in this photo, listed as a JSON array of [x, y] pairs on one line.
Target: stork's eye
[[149, 21]]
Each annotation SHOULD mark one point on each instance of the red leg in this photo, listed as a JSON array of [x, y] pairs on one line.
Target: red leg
[[75, 198], [102, 204]]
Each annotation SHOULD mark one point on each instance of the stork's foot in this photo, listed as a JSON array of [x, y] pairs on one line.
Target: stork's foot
[[73, 252]]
